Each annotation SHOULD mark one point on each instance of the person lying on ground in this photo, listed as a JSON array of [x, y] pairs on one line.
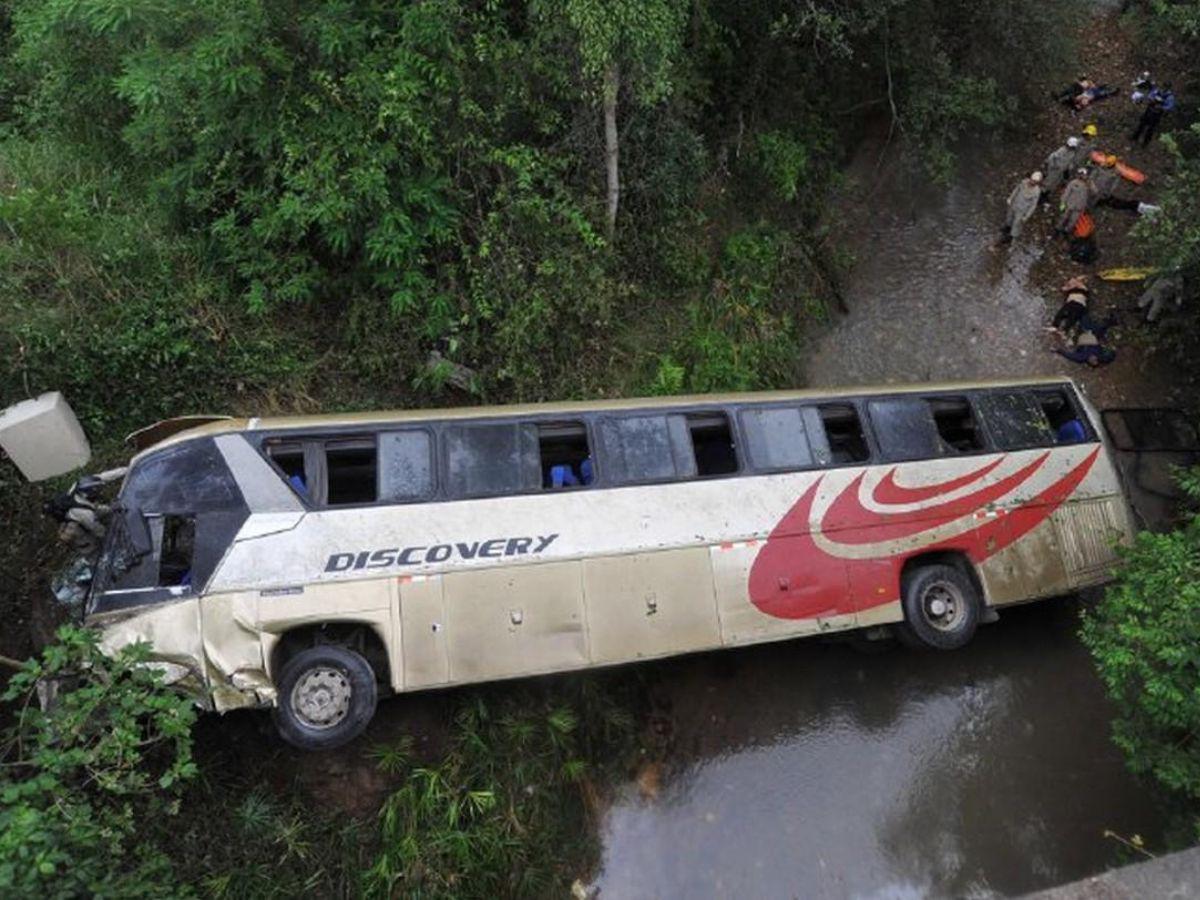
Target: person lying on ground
[[1074, 201], [1021, 205], [1162, 290], [1074, 306], [1057, 165], [1089, 346], [1068, 94], [1094, 93]]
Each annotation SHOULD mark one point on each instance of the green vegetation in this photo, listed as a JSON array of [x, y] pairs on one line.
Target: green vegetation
[[100, 796], [79, 783], [1145, 638], [254, 207]]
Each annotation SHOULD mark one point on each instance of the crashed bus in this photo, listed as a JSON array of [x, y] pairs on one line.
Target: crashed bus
[[312, 564]]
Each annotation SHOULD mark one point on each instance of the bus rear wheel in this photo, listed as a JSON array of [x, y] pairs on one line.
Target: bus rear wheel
[[941, 607], [326, 697]]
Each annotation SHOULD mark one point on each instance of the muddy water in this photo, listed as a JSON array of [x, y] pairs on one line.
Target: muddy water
[[808, 770], [811, 770]]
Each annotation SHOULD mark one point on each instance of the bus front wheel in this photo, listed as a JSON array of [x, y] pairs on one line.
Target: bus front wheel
[[941, 607], [326, 697]]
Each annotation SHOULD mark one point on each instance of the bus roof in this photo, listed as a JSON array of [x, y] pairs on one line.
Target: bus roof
[[389, 417]]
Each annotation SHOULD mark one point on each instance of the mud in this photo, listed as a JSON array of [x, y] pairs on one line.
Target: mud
[[805, 770]]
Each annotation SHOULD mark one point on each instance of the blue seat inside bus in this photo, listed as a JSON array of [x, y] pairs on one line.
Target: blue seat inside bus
[[1071, 432], [563, 475]]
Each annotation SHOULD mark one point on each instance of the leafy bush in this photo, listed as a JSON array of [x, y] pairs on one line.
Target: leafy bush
[[745, 333], [1145, 639], [81, 781]]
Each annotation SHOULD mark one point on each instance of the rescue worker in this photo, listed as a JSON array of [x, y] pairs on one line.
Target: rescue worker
[[1087, 143], [1161, 291], [1022, 203], [1074, 202], [1058, 164], [1103, 182]]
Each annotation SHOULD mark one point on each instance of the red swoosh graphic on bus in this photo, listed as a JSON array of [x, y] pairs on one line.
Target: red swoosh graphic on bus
[[887, 491], [793, 578], [870, 527]]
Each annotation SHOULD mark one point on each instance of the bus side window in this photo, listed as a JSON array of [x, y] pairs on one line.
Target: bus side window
[[486, 460], [780, 438], [290, 459], [844, 433], [905, 428], [1015, 419], [178, 542], [646, 448], [566, 459], [956, 424], [350, 471], [712, 444], [1068, 425], [405, 466]]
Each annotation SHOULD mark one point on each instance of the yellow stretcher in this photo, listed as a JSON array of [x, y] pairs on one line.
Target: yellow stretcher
[[1128, 273]]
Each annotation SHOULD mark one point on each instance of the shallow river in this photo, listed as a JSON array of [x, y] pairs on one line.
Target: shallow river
[[809, 770], [812, 770]]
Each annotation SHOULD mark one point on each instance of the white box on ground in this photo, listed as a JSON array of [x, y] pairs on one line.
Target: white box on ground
[[43, 437]]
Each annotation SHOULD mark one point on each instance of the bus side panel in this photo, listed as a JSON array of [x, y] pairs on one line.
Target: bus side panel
[[514, 620], [791, 583], [1030, 567], [1088, 533], [426, 660], [172, 628], [368, 602], [1073, 546], [232, 644], [650, 604]]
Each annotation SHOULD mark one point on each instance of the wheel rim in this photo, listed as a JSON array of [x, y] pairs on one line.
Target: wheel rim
[[943, 606], [321, 697]]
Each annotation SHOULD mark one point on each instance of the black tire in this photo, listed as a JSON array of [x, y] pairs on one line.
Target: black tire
[[941, 607], [326, 697]]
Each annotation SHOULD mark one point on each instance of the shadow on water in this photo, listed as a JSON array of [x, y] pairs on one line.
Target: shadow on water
[[809, 770]]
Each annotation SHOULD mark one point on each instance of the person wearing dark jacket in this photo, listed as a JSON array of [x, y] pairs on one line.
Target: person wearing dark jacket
[[1089, 348], [1159, 102]]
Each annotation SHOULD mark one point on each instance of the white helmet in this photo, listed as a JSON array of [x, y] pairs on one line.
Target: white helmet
[[1072, 142]]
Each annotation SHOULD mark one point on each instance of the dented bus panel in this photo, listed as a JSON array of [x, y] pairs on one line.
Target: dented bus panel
[[304, 564]]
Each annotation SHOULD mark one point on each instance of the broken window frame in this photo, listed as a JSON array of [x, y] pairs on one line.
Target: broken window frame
[[1001, 441], [856, 406], [315, 449]]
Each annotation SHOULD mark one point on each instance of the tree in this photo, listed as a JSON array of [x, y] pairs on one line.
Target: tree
[[630, 42]]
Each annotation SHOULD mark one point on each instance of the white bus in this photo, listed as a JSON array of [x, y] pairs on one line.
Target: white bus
[[309, 564]]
